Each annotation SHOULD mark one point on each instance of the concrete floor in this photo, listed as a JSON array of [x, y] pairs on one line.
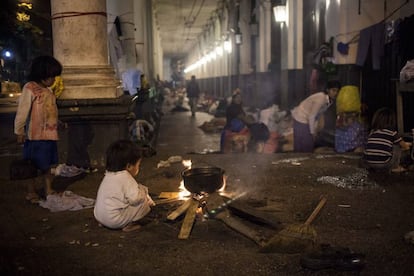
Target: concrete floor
[[180, 133], [367, 213]]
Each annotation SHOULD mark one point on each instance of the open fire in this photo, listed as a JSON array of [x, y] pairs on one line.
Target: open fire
[[200, 174], [201, 189]]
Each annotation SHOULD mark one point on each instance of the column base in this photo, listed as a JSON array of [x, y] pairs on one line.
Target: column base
[[90, 82]]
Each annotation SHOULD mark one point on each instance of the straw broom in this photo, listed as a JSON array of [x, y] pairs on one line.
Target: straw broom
[[295, 238]]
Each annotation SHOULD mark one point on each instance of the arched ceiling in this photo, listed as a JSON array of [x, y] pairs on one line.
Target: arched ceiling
[[180, 23]]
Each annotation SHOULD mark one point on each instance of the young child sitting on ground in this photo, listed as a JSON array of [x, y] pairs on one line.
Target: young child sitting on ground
[[121, 201], [384, 146]]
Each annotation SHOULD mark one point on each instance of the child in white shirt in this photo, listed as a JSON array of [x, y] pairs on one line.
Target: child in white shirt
[[121, 201]]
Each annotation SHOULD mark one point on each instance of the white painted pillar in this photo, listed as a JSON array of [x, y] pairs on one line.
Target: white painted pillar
[[141, 47], [125, 13], [158, 53], [245, 60], [265, 17], [295, 34], [80, 44]]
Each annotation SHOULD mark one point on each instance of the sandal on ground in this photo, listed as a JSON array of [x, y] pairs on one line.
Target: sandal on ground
[[131, 227], [399, 170], [328, 257], [32, 198]]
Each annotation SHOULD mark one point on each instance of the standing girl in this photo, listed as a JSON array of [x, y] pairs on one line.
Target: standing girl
[[36, 122]]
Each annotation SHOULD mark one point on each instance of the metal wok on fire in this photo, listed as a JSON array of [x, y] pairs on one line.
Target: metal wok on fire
[[203, 179]]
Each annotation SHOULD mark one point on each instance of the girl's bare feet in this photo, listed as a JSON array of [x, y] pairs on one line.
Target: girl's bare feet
[[50, 192], [32, 198], [133, 226], [399, 169]]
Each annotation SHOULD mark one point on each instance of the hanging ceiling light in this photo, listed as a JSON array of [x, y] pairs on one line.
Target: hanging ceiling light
[[238, 38], [280, 13]]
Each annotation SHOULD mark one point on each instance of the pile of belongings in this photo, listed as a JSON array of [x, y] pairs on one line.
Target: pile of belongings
[[350, 131], [407, 72]]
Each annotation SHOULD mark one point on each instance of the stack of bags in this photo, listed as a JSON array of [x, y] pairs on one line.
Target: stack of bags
[[350, 134]]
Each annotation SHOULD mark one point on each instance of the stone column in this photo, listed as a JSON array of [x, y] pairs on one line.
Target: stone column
[[92, 102], [140, 21], [80, 44]]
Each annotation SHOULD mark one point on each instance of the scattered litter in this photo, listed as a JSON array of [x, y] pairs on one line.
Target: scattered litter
[[293, 161], [208, 151], [204, 151], [87, 243], [86, 231], [65, 170], [33, 238], [163, 164], [346, 156], [174, 159], [344, 205], [296, 161], [66, 201], [409, 237], [95, 244], [72, 242], [355, 181]]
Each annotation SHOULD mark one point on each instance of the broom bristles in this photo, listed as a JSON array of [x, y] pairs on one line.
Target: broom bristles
[[292, 239]]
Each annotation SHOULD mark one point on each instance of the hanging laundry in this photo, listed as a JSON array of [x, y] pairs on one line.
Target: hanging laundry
[[371, 38]]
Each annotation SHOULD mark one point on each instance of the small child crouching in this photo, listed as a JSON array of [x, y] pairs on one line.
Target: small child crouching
[[121, 201], [385, 147]]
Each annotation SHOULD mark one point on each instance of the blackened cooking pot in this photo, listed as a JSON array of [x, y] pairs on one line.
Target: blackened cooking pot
[[203, 180]]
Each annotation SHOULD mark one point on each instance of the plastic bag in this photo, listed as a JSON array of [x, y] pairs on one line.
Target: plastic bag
[[348, 99], [407, 72]]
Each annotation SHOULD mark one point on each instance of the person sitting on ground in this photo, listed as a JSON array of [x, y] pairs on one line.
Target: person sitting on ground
[[305, 116], [235, 116], [384, 146], [121, 202], [237, 121]]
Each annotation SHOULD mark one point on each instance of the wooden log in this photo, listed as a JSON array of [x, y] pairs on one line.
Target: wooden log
[[180, 210], [165, 200], [188, 222], [169, 195], [271, 208], [254, 215], [216, 202]]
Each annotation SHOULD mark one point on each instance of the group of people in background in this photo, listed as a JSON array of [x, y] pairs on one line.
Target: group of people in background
[[383, 148], [121, 202]]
